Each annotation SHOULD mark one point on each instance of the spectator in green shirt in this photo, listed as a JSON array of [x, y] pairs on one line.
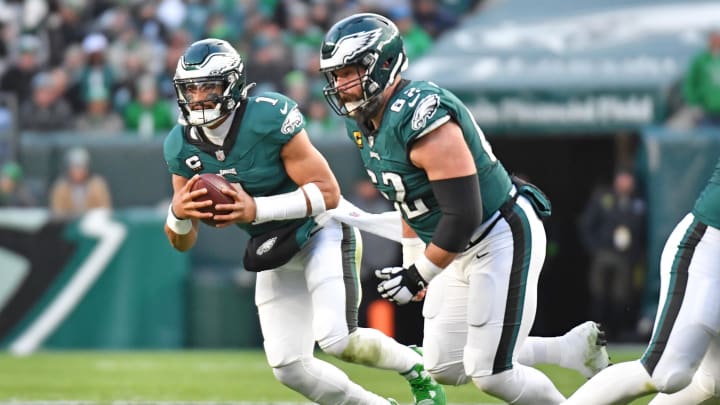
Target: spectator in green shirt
[[417, 41], [147, 115], [701, 85]]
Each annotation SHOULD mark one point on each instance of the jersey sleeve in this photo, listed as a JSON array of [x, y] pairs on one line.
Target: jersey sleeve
[[275, 117], [422, 113], [172, 148]]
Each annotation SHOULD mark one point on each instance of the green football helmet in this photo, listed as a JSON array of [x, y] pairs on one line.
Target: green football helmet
[[207, 65], [373, 44]]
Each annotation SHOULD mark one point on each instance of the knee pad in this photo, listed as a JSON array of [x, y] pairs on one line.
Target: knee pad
[[673, 378], [681, 358], [489, 383], [336, 347], [503, 385], [452, 374], [295, 376], [313, 381]]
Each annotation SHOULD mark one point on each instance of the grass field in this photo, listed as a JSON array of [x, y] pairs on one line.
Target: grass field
[[202, 377]]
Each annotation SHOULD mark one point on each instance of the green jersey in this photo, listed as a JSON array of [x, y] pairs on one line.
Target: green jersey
[[250, 154], [707, 206], [414, 110]]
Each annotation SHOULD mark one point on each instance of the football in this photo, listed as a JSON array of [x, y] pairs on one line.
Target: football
[[213, 183]]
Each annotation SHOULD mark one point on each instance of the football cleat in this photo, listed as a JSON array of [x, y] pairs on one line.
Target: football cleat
[[589, 348], [425, 390]]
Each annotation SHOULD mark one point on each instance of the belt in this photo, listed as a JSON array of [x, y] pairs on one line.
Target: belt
[[484, 229]]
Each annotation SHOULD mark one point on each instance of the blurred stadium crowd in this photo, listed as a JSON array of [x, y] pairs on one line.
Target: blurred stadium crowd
[[106, 67]]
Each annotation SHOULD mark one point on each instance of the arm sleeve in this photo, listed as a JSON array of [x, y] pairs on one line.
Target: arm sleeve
[[461, 206]]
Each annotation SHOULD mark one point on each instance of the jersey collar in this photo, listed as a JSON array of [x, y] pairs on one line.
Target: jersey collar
[[220, 152]]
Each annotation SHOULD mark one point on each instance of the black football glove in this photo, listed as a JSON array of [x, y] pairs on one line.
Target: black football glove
[[400, 285]]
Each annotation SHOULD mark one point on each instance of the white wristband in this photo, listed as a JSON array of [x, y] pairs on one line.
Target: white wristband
[[179, 226], [427, 269], [290, 205], [412, 249], [315, 196]]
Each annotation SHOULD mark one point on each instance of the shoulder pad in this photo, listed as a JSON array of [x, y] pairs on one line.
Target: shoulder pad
[[173, 142], [418, 110], [272, 112]]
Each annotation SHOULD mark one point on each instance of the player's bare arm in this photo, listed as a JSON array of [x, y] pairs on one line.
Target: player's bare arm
[[305, 164], [306, 167], [183, 208], [428, 154]]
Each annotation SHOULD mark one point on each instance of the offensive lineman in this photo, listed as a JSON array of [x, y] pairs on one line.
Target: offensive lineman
[[481, 242], [682, 361], [309, 289]]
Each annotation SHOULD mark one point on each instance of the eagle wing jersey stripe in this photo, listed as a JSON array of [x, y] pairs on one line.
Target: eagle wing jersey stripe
[[424, 111], [293, 120], [350, 46]]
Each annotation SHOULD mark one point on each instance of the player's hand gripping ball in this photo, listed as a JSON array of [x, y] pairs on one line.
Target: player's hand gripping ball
[[213, 183]]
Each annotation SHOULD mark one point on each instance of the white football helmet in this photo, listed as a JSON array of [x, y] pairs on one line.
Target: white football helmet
[[213, 69]]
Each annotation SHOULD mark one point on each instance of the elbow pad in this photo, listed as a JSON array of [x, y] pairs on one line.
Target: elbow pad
[[461, 206]]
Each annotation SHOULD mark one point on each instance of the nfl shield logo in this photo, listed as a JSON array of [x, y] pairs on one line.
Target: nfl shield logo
[[220, 155]]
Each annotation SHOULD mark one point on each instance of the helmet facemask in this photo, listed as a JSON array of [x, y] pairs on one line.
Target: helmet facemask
[[204, 101]]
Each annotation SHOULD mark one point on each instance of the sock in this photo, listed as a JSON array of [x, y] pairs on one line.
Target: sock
[[372, 348], [536, 350]]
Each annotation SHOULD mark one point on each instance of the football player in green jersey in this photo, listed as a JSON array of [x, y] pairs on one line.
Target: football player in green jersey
[[307, 287], [481, 240], [682, 361]]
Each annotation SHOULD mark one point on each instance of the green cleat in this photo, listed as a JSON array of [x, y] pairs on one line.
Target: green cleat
[[424, 389]]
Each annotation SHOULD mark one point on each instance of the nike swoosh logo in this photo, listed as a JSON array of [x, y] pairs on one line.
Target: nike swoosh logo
[[283, 110], [412, 103], [480, 256]]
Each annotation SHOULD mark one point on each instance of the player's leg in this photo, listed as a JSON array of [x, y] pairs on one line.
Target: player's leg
[[582, 348], [704, 265], [503, 277], [286, 318], [687, 321], [705, 383], [445, 330], [335, 300]]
